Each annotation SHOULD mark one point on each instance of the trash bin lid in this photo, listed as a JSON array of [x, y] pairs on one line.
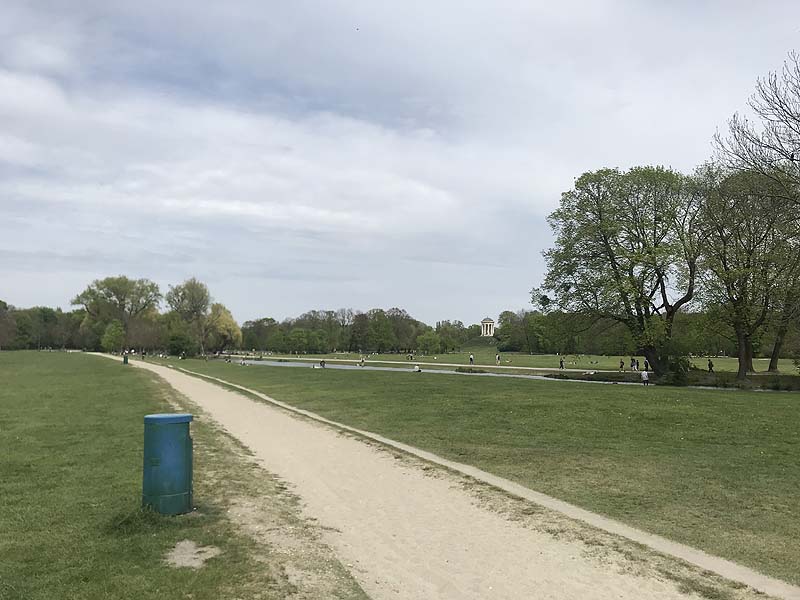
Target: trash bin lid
[[167, 419]]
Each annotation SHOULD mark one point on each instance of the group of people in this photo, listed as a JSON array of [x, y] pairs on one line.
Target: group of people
[[635, 365]]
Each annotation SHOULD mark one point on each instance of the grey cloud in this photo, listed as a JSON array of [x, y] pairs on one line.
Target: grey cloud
[[359, 154]]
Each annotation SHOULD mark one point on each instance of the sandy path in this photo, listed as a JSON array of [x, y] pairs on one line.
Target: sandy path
[[408, 535]]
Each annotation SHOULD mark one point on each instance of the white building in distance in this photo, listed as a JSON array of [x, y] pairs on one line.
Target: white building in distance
[[487, 327]]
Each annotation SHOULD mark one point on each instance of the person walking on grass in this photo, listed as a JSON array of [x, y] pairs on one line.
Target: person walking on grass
[[646, 365], [633, 364], [471, 358], [621, 366], [497, 359], [710, 366], [561, 363], [645, 377]]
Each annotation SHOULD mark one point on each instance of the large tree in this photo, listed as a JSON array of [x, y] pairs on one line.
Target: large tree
[[626, 249], [224, 332], [118, 298], [191, 301], [256, 334], [750, 234], [787, 308]]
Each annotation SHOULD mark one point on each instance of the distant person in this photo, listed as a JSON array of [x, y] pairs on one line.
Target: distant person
[[322, 364], [637, 365], [361, 363], [633, 364], [417, 369], [621, 366], [561, 363], [497, 359], [645, 377], [471, 359], [710, 366], [646, 365]]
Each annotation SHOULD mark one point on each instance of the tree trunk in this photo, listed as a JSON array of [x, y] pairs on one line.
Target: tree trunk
[[744, 353], [776, 348], [658, 363], [750, 354]]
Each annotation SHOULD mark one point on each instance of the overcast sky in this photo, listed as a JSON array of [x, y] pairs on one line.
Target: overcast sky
[[359, 153]]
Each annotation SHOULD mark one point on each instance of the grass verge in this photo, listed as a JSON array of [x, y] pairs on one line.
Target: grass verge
[[713, 469], [70, 481]]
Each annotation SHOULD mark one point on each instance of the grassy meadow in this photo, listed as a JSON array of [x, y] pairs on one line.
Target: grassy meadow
[[716, 469], [71, 437], [485, 356]]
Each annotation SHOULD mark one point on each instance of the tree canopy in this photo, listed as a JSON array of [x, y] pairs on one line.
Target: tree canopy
[[626, 249]]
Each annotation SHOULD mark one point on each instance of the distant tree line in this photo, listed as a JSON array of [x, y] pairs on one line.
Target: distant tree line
[[118, 312], [121, 313], [346, 330], [640, 248]]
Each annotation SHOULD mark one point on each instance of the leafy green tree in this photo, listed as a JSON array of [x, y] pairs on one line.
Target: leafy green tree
[[429, 342], [256, 334], [119, 298], [191, 301], [181, 343], [749, 249], [380, 336], [626, 249], [359, 333], [787, 313], [454, 335], [224, 331], [8, 326], [297, 341], [113, 337], [147, 331], [405, 328]]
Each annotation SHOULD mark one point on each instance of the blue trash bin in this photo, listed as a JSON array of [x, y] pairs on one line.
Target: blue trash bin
[[167, 474]]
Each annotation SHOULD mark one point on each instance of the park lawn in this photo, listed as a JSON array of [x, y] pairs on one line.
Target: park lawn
[[71, 435], [486, 357], [714, 469]]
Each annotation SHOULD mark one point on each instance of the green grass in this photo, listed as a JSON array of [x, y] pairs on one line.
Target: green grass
[[71, 437], [714, 469], [486, 357]]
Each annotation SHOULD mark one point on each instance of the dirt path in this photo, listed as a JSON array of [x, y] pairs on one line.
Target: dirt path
[[406, 534]]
